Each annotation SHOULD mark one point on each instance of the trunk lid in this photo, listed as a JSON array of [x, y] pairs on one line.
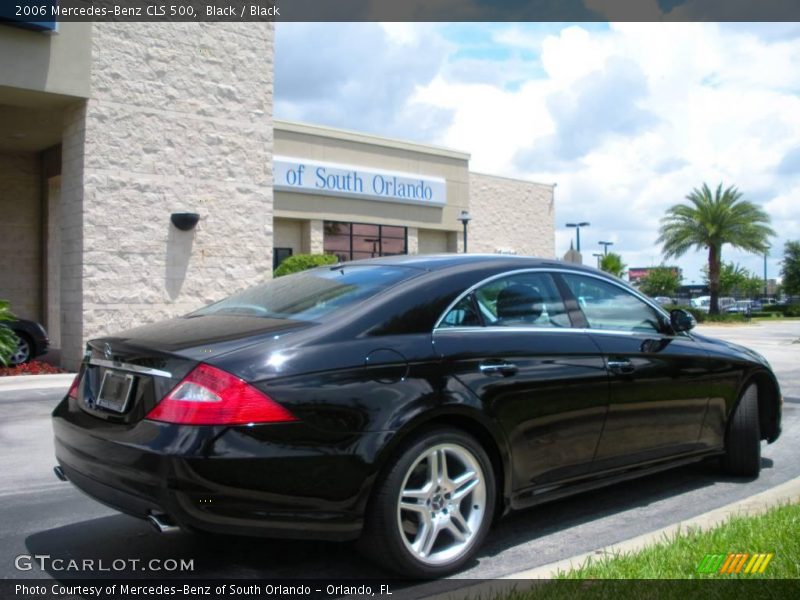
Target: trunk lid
[[124, 376]]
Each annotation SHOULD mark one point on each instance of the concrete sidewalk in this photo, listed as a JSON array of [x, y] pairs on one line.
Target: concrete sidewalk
[[31, 382]]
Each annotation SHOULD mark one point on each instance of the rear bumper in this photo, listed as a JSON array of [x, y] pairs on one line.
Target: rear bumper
[[254, 481]]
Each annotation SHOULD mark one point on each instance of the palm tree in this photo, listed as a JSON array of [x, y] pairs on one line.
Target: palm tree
[[710, 220], [612, 263]]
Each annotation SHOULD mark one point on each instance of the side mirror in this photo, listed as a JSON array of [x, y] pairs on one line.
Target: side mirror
[[681, 320]]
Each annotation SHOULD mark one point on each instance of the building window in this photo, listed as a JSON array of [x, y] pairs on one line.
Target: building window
[[279, 255], [353, 241]]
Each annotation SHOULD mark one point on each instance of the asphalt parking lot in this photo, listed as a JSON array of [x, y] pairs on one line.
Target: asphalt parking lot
[[40, 515]]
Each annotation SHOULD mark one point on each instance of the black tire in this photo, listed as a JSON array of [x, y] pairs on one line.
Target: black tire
[[743, 445], [386, 536], [24, 351]]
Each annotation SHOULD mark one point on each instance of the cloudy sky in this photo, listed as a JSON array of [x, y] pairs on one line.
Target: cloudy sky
[[625, 118]]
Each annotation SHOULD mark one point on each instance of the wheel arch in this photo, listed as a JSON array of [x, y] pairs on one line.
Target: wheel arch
[[469, 421], [769, 404]]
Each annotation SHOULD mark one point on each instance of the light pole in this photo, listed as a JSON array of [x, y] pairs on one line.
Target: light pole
[[598, 256], [465, 218], [766, 252], [605, 246], [577, 227]]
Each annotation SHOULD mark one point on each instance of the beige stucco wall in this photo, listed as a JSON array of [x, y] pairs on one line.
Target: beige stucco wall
[[180, 119], [55, 63], [432, 241], [511, 215], [311, 142], [289, 234], [20, 233]]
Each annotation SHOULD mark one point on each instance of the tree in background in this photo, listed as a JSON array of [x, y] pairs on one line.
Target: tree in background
[[612, 263], [660, 281], [752, 286], [731, 278], [707, 222], [735, 280], [790, 270]]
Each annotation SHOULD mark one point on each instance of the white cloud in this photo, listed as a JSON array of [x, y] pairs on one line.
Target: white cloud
[[627, 119]]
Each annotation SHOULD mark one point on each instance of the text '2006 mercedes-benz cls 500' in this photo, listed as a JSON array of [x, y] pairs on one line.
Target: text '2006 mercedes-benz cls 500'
[[406, 402]]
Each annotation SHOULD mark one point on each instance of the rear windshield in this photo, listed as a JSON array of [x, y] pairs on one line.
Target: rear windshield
[[310, 295]]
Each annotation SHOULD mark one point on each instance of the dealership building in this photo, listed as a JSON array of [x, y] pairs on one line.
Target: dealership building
[[108, 131]]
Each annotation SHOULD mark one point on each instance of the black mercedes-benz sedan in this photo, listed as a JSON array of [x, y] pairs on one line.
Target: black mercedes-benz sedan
[[406, 402]]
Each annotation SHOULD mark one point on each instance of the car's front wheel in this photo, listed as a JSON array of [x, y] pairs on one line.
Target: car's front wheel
[[743, 446], [433, 507]]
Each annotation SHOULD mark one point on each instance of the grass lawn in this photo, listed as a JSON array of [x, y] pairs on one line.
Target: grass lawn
[[773, 319], [777, 532], [669, 570]]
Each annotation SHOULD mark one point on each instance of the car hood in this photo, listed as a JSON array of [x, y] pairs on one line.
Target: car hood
[[743, 351]]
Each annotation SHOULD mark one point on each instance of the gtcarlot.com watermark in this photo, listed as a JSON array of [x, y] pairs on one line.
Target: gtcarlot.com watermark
[[46, 562]]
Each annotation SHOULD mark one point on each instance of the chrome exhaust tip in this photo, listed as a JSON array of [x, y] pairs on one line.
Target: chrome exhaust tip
[[162, 523], [60, 473]]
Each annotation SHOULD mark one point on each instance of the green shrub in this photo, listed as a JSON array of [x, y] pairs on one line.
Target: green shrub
[[8, 341], [787, 310], [301, 262], [792, 310]]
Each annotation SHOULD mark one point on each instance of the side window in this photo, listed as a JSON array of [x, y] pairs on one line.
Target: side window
[[462, 315], [525, 299], [608, 306]]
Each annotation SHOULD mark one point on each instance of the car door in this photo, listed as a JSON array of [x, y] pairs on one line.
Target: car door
[[510, 342], [659, 381]]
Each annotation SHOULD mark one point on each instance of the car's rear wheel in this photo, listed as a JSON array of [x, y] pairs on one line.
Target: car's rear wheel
[[743, 447], [23, 351], [433, 507]]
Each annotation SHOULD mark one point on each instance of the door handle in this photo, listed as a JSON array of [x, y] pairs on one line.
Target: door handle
[[621, 366], [498, 368]]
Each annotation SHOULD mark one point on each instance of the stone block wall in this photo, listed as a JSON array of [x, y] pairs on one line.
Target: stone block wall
[[179, 120], [510, 215]]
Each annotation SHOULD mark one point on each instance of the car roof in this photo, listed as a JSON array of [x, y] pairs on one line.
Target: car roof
[[438, 262]]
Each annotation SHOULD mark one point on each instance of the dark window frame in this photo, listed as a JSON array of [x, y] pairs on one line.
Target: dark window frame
[[380, 238], [278, 250]]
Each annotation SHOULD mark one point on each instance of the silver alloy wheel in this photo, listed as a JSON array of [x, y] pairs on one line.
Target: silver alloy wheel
[[442, 504], [22, 353]]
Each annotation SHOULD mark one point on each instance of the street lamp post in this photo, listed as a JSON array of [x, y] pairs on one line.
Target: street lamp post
[[766, 252], [577, 227], [465, 218], [598, 256], [605, 246]]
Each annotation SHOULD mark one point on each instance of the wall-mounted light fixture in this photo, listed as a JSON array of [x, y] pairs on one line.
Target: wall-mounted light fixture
[[184, 221]]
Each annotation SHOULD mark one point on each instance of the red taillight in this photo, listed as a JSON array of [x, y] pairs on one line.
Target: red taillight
[[73, 389], [210, 396]]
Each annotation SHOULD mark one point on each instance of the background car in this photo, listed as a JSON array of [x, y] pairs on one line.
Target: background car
[[32, 340], [405, 402], [743, 307]]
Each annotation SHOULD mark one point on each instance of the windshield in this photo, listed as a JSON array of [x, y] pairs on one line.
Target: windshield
[[310, 295]]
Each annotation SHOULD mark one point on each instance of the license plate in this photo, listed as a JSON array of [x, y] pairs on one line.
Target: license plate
[[115, 390]]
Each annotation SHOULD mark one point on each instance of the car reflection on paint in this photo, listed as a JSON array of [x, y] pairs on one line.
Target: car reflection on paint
[[405, 402]]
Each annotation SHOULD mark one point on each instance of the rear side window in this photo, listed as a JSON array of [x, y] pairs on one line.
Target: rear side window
[[311, 295], [519, 300], [608, 306]]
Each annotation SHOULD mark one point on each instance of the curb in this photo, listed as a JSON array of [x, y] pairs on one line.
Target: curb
[[30, 382], [753, 505], [523, 580]]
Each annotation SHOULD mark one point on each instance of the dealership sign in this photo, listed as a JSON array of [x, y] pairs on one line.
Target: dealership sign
[[330, 179]]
